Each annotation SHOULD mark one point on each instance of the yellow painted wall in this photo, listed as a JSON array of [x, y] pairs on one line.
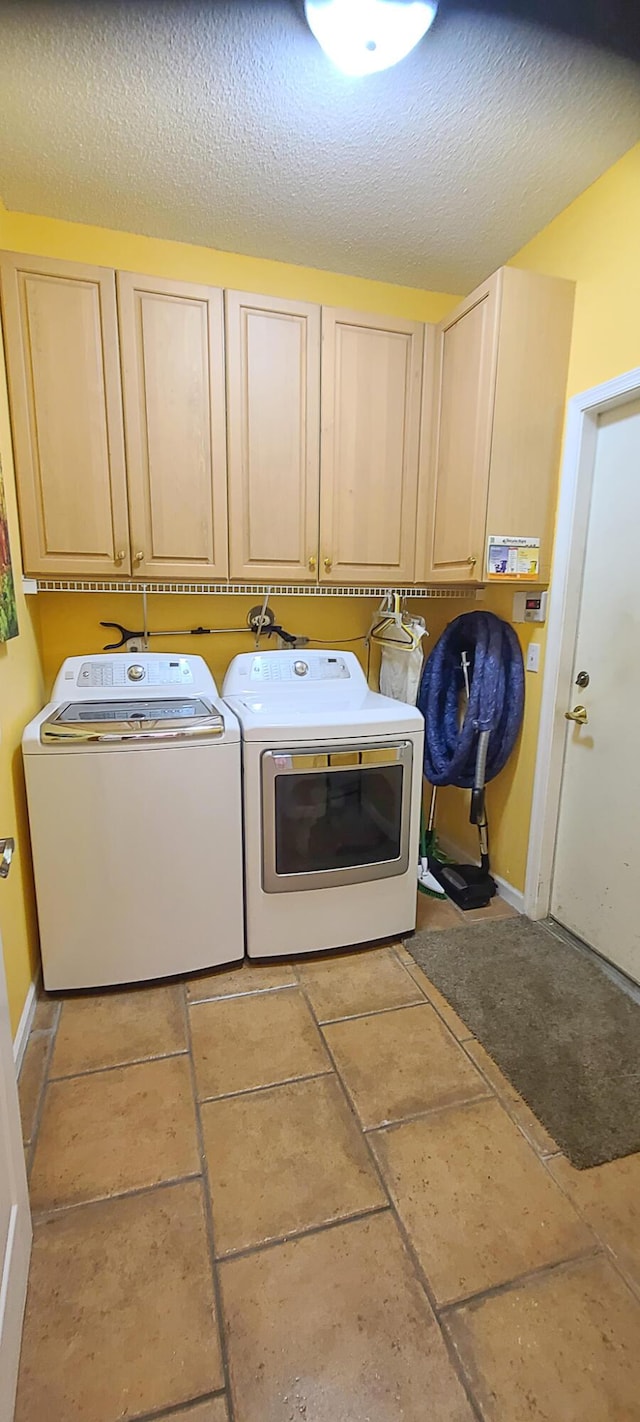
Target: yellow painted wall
[[70, 623], [596, 243], [20, 698], [74, 242]]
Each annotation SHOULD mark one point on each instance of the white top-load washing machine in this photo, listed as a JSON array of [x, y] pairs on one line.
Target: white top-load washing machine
[[332, 787], [133, 778]]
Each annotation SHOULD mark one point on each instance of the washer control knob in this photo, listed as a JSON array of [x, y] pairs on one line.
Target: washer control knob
[[301, 668], [135, 672]]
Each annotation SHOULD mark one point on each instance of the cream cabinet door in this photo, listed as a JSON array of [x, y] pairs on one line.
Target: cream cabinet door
[[61, 340], [273, 403], [456, 440], [371, 381], [172, 342]]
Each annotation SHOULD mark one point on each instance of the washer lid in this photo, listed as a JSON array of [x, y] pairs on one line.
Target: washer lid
[[165, 718]]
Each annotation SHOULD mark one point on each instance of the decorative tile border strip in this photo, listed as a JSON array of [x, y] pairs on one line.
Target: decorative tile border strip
[[250, 589]]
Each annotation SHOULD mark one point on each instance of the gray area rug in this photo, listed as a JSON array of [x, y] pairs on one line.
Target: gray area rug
[[563, 1033]]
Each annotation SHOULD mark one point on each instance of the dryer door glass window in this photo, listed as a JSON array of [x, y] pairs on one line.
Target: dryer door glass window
[[335, 818]]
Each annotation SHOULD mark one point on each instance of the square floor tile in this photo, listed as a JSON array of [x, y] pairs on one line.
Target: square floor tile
[[436, 913], [283, 1160], [479, 1206], [243, 1042], [111, 1028], [113, 1131], [213, 1411], [46, 1013], [608, 1197], [249, 977], [517, 1107], [334, 1327], [561, 1348], [396, 1064], [496, 908], [430, 991], [31, 1081], [356, 982], [120, 1315]]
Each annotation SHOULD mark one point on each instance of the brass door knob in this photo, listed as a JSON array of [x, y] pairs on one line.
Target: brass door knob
[[578, 714], [312, 562], [138, 557], [327, 564], [472, 560]]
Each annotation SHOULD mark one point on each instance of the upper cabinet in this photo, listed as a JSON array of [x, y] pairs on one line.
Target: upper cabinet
[[456, 436], [273, 411], [165, 432], [64, 382], [172, 345], [492, 424], [371, 382]]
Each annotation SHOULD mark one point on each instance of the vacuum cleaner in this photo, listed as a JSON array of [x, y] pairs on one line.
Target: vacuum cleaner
[[472, 699]]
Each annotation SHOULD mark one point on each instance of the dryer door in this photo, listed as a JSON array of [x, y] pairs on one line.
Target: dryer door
[[338, 816]]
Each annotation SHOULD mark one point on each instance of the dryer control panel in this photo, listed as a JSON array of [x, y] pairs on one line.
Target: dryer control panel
[[273, 668], [300, 673]]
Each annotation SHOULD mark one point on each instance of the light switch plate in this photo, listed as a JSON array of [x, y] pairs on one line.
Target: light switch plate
[[533, 657]]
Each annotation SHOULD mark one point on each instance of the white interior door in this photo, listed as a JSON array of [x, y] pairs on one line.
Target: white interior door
[[595, 878], [15, 1217]]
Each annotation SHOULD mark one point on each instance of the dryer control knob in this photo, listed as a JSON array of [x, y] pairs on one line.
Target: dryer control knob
[[135, 672], [301, 668]]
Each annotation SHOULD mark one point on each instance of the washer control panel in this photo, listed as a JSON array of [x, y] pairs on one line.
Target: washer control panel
[[165, 671]]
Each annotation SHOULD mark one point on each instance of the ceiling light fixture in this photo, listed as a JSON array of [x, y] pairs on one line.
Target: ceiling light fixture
[[363, 36]]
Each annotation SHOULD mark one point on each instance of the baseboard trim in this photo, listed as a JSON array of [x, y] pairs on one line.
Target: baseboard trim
[[512, 896], [24, 1026]]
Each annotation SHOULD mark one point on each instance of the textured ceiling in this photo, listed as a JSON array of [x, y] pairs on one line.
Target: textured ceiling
[[224, 124]]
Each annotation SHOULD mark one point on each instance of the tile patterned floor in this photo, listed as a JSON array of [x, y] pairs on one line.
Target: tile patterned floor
[[304, 1193]]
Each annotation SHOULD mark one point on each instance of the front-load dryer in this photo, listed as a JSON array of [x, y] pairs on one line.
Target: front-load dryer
[[133, 776], [332, 786]]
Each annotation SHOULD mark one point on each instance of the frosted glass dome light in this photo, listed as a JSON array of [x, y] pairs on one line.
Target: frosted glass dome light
[[363, 36]]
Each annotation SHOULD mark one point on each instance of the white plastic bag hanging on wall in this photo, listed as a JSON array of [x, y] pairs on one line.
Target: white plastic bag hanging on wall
[[401, 665]]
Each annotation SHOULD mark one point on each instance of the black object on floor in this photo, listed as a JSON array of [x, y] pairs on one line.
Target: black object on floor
[[563, 1033], [468, 885]]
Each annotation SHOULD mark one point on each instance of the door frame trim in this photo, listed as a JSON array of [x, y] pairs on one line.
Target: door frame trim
[[574, 504]]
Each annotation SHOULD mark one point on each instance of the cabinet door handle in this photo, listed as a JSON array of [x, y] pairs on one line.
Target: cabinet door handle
[[327, 564], [120, 555], [138, 557], [472, 560], [7, 850], [312, 562]]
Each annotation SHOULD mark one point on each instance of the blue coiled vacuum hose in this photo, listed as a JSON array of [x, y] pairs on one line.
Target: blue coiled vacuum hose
[[496, 699]]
